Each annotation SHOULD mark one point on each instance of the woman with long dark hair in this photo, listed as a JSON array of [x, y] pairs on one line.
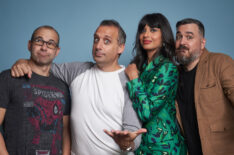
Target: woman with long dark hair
[[152, 87]]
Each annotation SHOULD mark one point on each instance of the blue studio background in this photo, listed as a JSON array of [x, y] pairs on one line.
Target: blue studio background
[[76, 21]]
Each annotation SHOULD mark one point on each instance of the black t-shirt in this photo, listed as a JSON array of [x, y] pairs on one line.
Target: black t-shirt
[[35, 107], [185, 98]]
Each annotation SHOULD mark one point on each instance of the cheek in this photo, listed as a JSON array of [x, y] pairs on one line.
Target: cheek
[[141, 39], [157, 39], [177, 44]]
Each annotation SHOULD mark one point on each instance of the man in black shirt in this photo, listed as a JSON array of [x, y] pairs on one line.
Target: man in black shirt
[[205, 94]]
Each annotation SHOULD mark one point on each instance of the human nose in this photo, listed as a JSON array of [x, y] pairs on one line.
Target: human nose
[[44, 45], [146, 33], [99, 44], [183, 40]]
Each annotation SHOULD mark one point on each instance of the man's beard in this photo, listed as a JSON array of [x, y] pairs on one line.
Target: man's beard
[[185, 60]]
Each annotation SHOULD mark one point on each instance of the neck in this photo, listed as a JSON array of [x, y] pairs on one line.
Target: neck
[[150, 55], [43, 70], [108, 67], [192, 65]]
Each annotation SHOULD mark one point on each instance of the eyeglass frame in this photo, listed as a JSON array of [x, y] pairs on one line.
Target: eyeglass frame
[[43, 41]]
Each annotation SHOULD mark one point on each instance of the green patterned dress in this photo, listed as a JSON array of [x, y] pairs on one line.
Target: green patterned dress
[[153, 95]]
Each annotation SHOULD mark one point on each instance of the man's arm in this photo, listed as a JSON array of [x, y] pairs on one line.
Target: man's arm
[[3, 150], [21, 68], [66, 135], [125, 139], [131, 124], [227, 77], [130, 137], [65, 71]]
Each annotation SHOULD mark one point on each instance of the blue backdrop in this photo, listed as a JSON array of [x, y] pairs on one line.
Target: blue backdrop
[[76, 21]]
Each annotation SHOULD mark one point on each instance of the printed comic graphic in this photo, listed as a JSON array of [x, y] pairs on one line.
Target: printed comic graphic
[[45, 111]]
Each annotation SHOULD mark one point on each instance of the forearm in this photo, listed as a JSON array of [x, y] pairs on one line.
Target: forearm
[[146, 103], [66, 136], [131, 122], [227, 78], [3, 150]]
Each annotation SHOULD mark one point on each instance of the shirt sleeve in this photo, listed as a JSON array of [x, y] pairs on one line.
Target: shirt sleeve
[[131, 121], [4, 89], [227, 77], [67, 72], [67, 97], [148, 100]]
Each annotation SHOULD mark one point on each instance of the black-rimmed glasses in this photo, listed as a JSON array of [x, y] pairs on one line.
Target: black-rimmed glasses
[[40, 42]]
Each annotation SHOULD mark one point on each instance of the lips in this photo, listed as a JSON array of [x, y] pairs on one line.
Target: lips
[[43, 54], [98, 53], [147, 41]]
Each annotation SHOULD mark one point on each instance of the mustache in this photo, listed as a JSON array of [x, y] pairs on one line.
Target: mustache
[[182, 47]]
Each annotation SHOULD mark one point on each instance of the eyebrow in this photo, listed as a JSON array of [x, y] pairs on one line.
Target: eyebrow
[[106, 36], [187, 32], [43, 39]]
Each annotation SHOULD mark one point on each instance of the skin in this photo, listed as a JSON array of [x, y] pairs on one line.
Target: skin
[[106, 51], [151, 42], [3, 150], [125, 138], [40, 63], [189, 43]]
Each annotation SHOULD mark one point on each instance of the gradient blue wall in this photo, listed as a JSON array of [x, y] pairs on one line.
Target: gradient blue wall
[[76, 21]]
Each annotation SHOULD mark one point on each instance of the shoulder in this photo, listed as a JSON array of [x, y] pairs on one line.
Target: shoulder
[[6, 75], [73, 65], [5, 72], [57, 82], [123, 78], [219, 57], [166, 65]]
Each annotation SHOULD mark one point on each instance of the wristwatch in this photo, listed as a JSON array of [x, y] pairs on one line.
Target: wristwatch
[[129, 149]]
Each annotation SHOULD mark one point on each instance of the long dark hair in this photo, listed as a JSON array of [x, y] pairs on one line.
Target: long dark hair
[[154, 20]]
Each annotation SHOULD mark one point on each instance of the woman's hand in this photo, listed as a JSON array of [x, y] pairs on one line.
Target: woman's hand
[[132, 71]]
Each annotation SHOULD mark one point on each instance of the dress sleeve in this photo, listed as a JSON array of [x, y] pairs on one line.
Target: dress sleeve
[[148, 100]]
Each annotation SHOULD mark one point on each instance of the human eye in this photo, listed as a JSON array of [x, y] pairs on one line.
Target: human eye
[[178, 37], [51, 44], [153, 30], [38, 40], [189, 37], [95, 40], [143, 30], [106, 41]]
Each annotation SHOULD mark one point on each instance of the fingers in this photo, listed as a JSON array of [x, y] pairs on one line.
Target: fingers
[[120, 133], [15, 71], [140, 131], [109, 133], [21, 69]]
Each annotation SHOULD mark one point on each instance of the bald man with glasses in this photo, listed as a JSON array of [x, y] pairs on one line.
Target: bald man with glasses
[[35, 112]]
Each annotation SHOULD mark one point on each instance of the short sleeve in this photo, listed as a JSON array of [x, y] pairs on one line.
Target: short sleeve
[[4, 89]]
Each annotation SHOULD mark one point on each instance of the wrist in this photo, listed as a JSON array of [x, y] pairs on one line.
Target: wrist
[[131, 147]]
